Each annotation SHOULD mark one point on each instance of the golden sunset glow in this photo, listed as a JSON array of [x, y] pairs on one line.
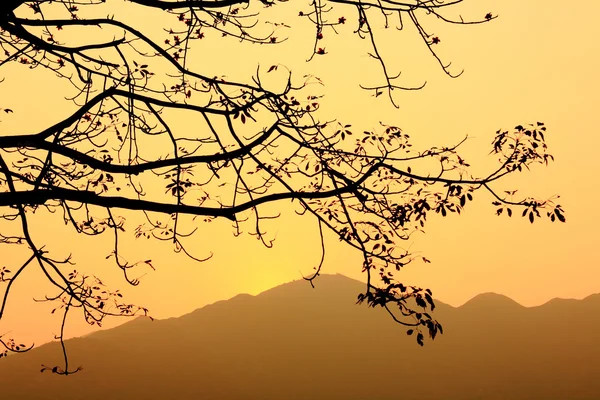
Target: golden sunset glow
[[538, 61]]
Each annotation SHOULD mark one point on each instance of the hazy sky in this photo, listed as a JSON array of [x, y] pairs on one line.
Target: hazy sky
[[537, 62]]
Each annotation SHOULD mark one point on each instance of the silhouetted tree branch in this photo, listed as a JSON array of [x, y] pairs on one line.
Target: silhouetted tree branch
[[254, 147]]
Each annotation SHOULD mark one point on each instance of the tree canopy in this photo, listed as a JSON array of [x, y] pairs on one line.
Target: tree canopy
[[121, 150]]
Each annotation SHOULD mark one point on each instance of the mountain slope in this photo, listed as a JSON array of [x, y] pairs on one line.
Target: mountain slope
[[293, 342]]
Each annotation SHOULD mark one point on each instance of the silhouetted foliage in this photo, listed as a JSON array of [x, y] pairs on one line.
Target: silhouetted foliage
[[257, 146]]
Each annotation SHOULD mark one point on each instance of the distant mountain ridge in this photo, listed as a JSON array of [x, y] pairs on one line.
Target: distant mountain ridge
[[293, 342]]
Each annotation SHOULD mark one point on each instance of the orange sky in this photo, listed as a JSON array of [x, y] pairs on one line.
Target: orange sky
[[536, 62]]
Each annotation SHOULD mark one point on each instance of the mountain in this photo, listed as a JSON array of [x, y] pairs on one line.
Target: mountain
[[294, 342]]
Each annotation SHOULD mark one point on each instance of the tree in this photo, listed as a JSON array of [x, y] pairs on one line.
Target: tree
[[119, 151]]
